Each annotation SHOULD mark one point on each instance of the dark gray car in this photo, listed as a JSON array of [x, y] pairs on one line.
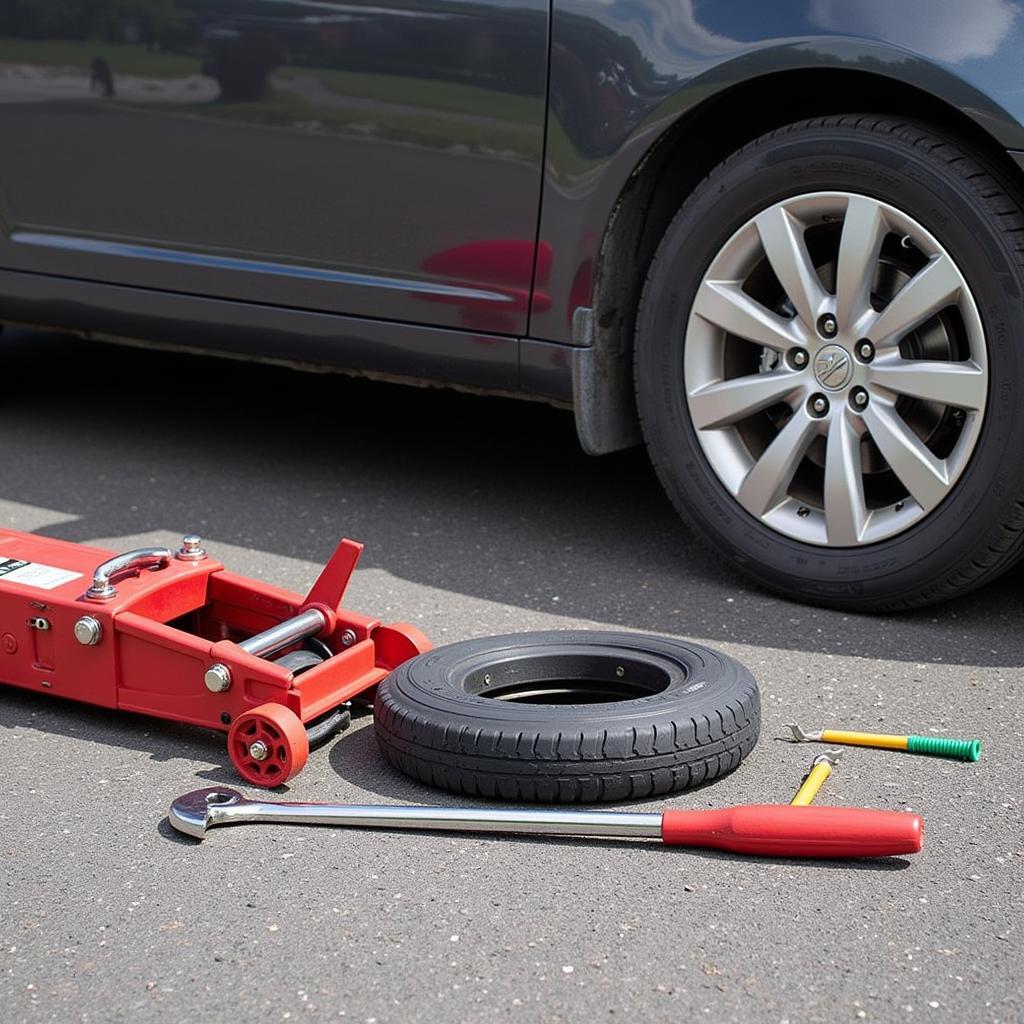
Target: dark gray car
[[782, 244]]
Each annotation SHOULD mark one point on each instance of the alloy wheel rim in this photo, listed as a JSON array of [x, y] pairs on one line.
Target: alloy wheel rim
[[835, 369]]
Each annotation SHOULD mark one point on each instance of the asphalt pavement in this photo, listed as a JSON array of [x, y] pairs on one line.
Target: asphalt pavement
[[480, 516]]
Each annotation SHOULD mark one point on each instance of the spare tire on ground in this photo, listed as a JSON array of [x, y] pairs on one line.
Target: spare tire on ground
[[576, 716]]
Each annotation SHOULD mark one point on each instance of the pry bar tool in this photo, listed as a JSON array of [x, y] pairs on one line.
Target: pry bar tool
[[821, 769], [774, 830], [936, 746]]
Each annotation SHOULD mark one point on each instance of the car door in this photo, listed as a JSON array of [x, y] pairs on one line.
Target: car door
[[380, 161]]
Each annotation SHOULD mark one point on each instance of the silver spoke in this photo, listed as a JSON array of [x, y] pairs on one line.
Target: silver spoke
[[782, 236], [726, 305], [962, 385], [932, 288], [766, 483], [923, 475], [845, 508], [864, 230], [873, 405], [716, 405]]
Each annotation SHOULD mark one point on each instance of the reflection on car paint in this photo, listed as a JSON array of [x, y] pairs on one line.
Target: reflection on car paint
[[271, 136], [509, 265], [305, 144]]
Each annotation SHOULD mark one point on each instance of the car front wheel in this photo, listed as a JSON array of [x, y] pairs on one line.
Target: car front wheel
[[828, 363]]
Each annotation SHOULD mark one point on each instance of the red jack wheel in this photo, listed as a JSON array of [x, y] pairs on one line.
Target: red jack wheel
[[268, 745]]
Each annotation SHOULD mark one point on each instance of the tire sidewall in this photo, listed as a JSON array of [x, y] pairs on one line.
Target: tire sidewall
[[891, 170], [702, 681]]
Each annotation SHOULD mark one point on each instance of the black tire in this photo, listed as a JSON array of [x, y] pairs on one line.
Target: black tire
[[977, 531], [690, 715]]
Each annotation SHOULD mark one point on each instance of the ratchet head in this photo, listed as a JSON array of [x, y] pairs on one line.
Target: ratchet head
[[195, 812]]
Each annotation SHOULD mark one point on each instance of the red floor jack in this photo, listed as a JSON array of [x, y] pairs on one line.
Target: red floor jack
[[173, 634]]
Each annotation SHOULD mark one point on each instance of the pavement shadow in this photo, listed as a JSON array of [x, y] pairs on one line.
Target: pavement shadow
[[480, 496], [161, 739]]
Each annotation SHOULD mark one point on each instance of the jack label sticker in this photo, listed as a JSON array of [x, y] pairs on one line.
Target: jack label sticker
[[34, 574]]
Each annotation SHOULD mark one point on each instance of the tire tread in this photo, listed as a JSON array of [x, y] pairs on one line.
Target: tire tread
[[532, 762]]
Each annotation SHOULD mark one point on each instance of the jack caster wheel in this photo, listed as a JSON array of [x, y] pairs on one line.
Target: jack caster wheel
[[268, 745]]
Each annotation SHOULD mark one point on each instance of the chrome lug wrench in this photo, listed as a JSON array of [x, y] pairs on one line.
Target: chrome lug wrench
[[773, 830]]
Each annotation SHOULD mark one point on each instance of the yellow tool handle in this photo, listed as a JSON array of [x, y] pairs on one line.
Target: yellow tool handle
[[865, 739], [815, 780]]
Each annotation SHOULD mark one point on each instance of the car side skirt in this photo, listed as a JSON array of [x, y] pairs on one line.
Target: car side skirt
[[410, 353]]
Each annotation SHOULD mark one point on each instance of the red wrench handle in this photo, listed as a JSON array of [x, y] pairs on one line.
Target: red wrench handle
[[782, 830]]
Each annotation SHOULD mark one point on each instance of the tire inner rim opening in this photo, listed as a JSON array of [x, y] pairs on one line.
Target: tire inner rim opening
[[835, 369], [568, 679]]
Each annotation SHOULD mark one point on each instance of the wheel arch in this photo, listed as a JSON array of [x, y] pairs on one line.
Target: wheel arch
[[697, 138]]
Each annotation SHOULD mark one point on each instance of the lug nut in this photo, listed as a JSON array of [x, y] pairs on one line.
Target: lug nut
[[819, 405], [827, 326], [798, 357], [258, 750], [866, 350], [217, 678], [859, 398]]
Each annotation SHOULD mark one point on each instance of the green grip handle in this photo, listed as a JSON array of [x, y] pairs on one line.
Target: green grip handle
[[941, 746]]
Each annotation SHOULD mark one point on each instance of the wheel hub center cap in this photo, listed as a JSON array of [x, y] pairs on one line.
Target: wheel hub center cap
[[833, 367]]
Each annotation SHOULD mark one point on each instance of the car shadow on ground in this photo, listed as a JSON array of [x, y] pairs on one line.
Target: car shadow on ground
[[481, 496]]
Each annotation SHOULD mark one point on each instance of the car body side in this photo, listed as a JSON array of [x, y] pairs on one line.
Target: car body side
[[538, 255]]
